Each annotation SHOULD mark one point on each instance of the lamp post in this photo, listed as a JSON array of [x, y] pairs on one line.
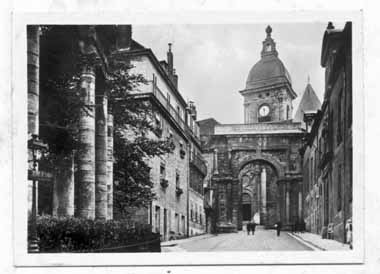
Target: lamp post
[[37, 147]]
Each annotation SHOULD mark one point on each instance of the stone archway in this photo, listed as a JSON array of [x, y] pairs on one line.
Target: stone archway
[[259, 179]]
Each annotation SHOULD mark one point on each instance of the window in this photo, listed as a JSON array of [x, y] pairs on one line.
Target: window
[[183, 225], [157, 219], [192, 213], [176, 219], [177, 180], [287, 112], [162, 171]]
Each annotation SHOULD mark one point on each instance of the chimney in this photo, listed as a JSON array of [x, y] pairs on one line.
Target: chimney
[[175, 78], [170, 60], [192, 110], [124, 37]]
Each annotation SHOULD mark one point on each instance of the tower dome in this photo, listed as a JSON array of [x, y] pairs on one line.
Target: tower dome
[[269, 69]]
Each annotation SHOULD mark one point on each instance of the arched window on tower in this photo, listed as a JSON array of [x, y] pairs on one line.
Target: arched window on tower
[[287, 112]]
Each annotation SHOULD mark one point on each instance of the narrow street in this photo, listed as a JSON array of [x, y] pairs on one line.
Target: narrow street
[[263, 240]]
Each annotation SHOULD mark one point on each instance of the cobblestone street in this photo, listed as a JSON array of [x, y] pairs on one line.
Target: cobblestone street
[[263, 240]]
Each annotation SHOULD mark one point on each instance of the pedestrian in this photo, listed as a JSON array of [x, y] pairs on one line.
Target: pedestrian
[[349, 232], [248, 227], [278, 226], [253, 227]]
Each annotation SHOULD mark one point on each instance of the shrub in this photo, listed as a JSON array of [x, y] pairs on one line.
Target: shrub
[[70, 234]]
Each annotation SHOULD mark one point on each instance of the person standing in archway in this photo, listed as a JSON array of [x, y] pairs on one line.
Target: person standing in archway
[[253, 226], [278, 226], [248, 227]]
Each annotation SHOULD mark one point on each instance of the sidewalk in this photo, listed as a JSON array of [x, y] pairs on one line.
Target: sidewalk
[[172, 246], [316, 242]]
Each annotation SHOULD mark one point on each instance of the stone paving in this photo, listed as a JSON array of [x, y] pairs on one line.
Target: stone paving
[[263, 240]]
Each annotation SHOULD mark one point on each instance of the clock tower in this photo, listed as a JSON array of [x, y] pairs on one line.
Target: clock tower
[[268, 94]]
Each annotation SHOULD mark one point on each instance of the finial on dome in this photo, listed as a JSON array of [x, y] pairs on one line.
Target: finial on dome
[[308, 78], [330, 25], [268, 30]]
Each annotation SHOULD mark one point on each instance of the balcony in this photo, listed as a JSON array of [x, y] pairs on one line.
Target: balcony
[[162, 99], [164, 102], [198, 162]]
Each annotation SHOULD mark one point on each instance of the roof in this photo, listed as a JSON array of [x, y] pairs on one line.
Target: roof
[[138, 49], [268, 67], [309, 102], [207, 126]]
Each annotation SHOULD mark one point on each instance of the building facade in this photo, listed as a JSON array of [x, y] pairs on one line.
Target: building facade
[[256, 172], [327, 154], [178, 209]]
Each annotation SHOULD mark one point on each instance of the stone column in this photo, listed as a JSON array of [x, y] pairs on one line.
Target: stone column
[[287, 202], [86, 153], [101, 158], [63, 189], [300, 217], [264, 194], [33, 70], [33, 58], [110, 166]]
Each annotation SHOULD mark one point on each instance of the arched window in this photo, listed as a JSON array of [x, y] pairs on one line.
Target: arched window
[[287, 112]]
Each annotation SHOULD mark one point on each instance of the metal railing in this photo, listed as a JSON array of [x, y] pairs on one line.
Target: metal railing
[[173, 112], [197, 160]]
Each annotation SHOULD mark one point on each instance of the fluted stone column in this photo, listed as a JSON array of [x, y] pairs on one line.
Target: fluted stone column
[[33, 70], [63, 189], [287, 202], [101, 158], [86, 153], [110, 166], [33, 56], [264, 194], [300, 206]]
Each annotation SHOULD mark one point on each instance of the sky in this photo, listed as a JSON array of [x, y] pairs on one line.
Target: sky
[[213, 61]]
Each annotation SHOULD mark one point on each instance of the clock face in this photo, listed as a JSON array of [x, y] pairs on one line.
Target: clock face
[[264, 111]]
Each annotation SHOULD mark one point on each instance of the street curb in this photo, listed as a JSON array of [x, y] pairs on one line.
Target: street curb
[[307, 243]]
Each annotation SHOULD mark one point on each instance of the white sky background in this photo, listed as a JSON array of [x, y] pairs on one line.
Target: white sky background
[[213, 61]]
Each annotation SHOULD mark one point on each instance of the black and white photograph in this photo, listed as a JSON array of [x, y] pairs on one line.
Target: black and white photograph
[[172, 141], [130, 151]]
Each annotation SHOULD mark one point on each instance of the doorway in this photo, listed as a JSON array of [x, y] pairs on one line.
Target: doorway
[[246, 207]]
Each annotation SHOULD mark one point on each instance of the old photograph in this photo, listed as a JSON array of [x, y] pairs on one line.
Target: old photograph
[[185, 138]]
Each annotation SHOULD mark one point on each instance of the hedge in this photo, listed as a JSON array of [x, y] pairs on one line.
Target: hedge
[[70, 234]]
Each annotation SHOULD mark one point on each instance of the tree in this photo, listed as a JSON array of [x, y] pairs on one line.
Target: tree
[[133, 127]]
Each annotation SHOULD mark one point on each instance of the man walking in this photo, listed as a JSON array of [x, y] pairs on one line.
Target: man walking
[[248, 227], [278, 228], [253, 227]]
